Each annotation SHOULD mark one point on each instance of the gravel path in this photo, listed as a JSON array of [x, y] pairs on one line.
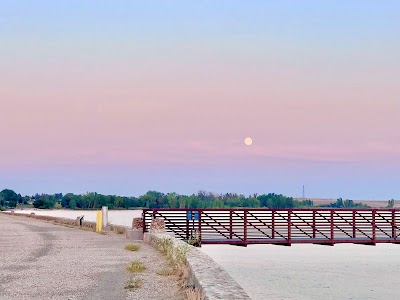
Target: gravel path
[[40, 260]]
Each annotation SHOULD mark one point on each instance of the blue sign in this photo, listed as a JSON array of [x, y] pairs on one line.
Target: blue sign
[[193, 215]]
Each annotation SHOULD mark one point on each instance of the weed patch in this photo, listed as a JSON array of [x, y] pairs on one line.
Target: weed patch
[[166, 271], [194, 294], [132, 247], [176, 255], [178, 266], [133, 284], [136, 266]]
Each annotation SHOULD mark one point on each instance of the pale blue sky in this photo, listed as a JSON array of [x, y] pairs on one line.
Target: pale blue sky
[[121, 97]]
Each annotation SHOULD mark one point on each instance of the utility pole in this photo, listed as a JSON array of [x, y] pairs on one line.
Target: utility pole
[[303, 193]]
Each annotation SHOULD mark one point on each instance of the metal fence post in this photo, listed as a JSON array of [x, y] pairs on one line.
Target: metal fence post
[[144, 221], [273, 224], [313, 229], [289, 239], [199, 212], [332, 228], [187, 227], [245, 227], [394, 225], [374, 226], [230, 224]]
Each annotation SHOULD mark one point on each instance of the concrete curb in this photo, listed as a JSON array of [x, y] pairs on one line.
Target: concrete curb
[[205, 273]]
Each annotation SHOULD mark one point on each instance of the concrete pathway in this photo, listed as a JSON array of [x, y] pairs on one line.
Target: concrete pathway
[[40, 260]]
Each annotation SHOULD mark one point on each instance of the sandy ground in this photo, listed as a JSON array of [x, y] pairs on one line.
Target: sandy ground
[[317, 272], [40, 260]]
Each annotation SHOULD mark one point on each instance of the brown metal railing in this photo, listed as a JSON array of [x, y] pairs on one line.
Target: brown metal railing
[[280, 226]]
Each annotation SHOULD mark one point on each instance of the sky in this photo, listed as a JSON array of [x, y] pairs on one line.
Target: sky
[[122, 97]]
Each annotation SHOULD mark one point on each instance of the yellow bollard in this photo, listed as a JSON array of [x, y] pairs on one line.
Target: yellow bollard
[[99, 221]]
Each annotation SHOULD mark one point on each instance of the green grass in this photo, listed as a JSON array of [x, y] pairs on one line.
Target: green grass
[[136, 266], [132, 247]]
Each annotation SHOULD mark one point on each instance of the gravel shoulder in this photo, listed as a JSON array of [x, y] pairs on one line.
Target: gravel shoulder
[[40, 260]]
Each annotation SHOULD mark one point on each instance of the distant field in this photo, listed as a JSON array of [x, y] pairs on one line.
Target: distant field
[[372, 203]]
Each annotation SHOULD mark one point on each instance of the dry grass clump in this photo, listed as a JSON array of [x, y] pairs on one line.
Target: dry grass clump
[[136, 266], [89, 225], [132, 247], [178, 266], [133, 284], [195, 294], [176, 255], [195, 240], [118, 229], [166, 271]]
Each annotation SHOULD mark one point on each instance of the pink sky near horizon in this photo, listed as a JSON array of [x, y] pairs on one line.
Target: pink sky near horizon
[[197, 112], [147, 85]]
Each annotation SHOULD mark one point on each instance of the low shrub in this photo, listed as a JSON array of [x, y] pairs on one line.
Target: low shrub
[[136, 266], [132, 247]]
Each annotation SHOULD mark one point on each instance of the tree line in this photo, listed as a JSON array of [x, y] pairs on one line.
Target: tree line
[[155, 199], [340, 203], [152, 199]]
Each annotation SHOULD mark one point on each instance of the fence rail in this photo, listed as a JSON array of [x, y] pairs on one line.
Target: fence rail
[[280, 226]]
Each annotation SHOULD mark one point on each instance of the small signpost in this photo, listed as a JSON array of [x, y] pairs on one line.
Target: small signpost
[[192, 215]]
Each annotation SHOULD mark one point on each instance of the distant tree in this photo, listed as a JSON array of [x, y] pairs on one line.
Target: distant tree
[[25, 200], [152, 199], [345, 204], [303, 203], [390, 203], [276, 201], [72, 204], [44, 201], [252, 202], [12, 204], [8, 198], [65, 201], [172, 200], [339, 203]]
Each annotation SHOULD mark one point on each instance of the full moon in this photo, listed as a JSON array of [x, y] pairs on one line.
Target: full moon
[[248, 141]]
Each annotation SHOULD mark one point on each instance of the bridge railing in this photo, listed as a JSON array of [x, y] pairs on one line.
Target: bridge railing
[[280, 226]]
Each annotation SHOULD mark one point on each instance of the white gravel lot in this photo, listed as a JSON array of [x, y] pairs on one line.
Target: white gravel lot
[[312, 272], [40, 260]]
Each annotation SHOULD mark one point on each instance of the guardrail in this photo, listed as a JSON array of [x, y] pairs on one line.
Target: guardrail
[[280, 226]]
